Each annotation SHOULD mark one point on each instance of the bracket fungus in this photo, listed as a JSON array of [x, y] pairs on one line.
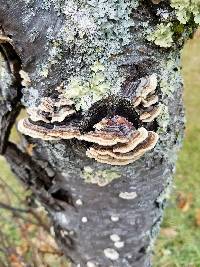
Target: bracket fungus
[[114, 140], [43, 121], [126, 145], [144, 98]]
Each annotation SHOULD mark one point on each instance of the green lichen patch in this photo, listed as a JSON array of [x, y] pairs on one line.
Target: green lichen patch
[[162, 36], [185, 9], [96, 33], [170, 75], [90, 90], [163, 120], [100, 177]]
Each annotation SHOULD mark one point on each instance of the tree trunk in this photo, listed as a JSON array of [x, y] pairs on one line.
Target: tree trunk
[[103, 215]]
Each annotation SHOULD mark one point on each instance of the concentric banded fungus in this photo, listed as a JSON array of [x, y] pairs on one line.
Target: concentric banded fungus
[[116, 141], [110, 132], [128, 144], [51, 110], [151, 114], [145, 91], [27, 127], [144, 98]]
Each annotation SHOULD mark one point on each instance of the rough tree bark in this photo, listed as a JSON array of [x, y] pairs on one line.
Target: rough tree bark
[[61, 41]]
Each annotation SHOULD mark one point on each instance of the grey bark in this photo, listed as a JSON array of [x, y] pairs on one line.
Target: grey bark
[[55, 170]]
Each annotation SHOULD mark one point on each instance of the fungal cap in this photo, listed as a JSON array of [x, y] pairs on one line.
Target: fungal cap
[[63, 102], [35, 131], [156, 2], [64, 132], [103, 138], [106, 155], [147, 86], [109, 160], [149, 101], [26, 127], [150, 115], [36, 115], [137, 137], [136, 101], [62, 114], [109, 132], [46, 104], [128, 195]]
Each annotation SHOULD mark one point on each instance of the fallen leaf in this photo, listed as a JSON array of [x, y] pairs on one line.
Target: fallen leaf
[[184, 201], [168, 232]]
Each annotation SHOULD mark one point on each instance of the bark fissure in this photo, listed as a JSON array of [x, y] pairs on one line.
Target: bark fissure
[[10, 91]]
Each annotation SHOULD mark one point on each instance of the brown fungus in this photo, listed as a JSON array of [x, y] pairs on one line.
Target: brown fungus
[[37, 115], [62, 113], [151, 113], [40, 123], [109, 132], [115, 152], [149, 101], [27, 127], [147, 85]]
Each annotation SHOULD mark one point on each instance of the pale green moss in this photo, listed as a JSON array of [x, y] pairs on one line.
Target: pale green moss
[[162, 36], [185, 9], [100, 177]]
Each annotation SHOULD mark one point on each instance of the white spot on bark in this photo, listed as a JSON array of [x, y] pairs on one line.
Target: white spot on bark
[[128, 195], [71, 232], [115, 238], [119, 244], [84, 219], [114, 218], [111, 254], [79, 202], [90, 264]]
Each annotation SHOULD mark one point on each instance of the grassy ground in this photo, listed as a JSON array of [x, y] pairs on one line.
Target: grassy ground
[[179, 242]]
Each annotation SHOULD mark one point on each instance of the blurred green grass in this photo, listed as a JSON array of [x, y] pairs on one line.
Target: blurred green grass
[[183, 248], [179, 242]]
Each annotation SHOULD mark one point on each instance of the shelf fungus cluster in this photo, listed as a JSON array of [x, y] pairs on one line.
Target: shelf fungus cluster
[[145, 100], [118, 142], [45, 120], [114, 140]]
